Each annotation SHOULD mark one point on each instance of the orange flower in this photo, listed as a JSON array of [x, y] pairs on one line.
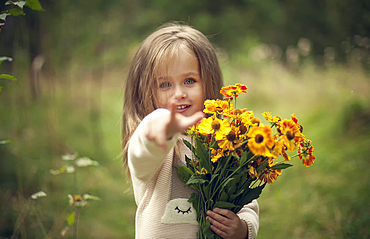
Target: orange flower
[[290, 133], [270, 174], [268, 116], [235, 114], [260, 140], [233, 90], [216, 107], [305, 151]]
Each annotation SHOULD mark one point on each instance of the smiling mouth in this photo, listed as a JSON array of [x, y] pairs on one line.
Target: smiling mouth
[[182, 107]]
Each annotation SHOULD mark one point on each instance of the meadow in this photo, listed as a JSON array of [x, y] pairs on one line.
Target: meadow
[[80, 110]]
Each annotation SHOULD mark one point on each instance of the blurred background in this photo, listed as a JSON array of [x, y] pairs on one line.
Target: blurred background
[[310, 58]]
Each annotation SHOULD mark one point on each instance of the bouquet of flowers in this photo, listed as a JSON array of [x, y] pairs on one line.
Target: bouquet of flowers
[[235, 155]]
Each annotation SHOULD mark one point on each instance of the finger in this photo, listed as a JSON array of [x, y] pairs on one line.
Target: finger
[[173, 109], [192, 120], [217, 227], [225, 212]]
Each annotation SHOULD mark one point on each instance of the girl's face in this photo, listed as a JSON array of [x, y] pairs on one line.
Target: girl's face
[[181, 82]]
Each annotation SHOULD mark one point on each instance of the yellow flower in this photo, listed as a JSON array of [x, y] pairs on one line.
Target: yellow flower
[[247, 117], [228, 140], [216, 106], [216, 154], [277, 149], [290, 133], [214, 125], [252, 172], [202, 171], [260, 140]]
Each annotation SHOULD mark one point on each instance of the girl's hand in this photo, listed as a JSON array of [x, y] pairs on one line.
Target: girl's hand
[[227, 224], [161, 130]]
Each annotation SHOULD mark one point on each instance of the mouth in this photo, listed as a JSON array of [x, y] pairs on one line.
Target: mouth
[[181, 107]]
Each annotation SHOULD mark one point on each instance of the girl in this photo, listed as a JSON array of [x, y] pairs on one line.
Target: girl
[[172, 73]]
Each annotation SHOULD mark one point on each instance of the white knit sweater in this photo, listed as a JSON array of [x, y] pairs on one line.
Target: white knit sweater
[[161, 198]]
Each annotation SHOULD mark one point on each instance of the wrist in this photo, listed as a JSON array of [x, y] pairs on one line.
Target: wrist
[[245, 228]]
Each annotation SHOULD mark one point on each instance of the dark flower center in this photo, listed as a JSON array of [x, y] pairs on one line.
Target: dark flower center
[[238, 112], [216, 125], [259, 138], [231, 136], [256, 121], [290, 135], [243, 129]]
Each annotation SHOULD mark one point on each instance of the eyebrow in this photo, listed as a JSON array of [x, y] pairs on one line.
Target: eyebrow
[[185, 74]]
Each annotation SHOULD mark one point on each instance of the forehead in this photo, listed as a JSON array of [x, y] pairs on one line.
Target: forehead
[[176, 59]]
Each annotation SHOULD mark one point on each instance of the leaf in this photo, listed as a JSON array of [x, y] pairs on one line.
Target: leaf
[[281, 166], [8, 77], [184, 173], [194, 199], [5, 58], [5, 141], [71, 218], [224, 196], [252, 193], [226, 183], [19, 4], [262, 166], [38, 195], [243, 158], [207, 230], [188, 160], [34, 5], [234, 196], [204, 157], [195, 180], [3, 16], [225, 205], [213, 178], [1, 89], [16, 11], [190, 146]]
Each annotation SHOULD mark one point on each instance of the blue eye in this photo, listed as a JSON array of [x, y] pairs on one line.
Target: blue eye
[[189, 81], [164, 85]]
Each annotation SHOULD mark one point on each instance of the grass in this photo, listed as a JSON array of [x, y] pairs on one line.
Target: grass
[[79, 113]]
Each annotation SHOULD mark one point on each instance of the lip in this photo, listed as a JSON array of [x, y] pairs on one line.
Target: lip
[[182, 110]]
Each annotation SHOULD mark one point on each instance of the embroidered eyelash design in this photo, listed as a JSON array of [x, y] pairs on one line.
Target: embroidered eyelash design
[[183, 212]]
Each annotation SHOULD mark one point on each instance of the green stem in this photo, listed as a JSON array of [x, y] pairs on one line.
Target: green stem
[[39, 220]]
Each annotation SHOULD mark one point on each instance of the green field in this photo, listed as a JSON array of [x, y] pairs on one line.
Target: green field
[[79, 111]]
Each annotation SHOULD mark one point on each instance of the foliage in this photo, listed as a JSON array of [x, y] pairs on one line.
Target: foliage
[[234, 156]]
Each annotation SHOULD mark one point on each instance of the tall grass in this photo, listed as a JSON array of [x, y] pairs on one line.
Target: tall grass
[[77, 113]]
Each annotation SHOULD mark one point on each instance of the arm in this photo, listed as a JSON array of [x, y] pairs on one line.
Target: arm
[[154, 138], [229, 225]]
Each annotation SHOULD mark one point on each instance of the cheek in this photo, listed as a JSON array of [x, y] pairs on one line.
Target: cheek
[[162, 100]]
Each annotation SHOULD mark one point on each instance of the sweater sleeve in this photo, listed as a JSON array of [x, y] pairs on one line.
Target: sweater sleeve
[[250, 214], [144, 156]]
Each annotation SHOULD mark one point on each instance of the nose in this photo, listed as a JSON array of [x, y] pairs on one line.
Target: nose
[[179, 93]]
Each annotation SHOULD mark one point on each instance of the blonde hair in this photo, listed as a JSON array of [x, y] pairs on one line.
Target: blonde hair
[[140, 97]]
